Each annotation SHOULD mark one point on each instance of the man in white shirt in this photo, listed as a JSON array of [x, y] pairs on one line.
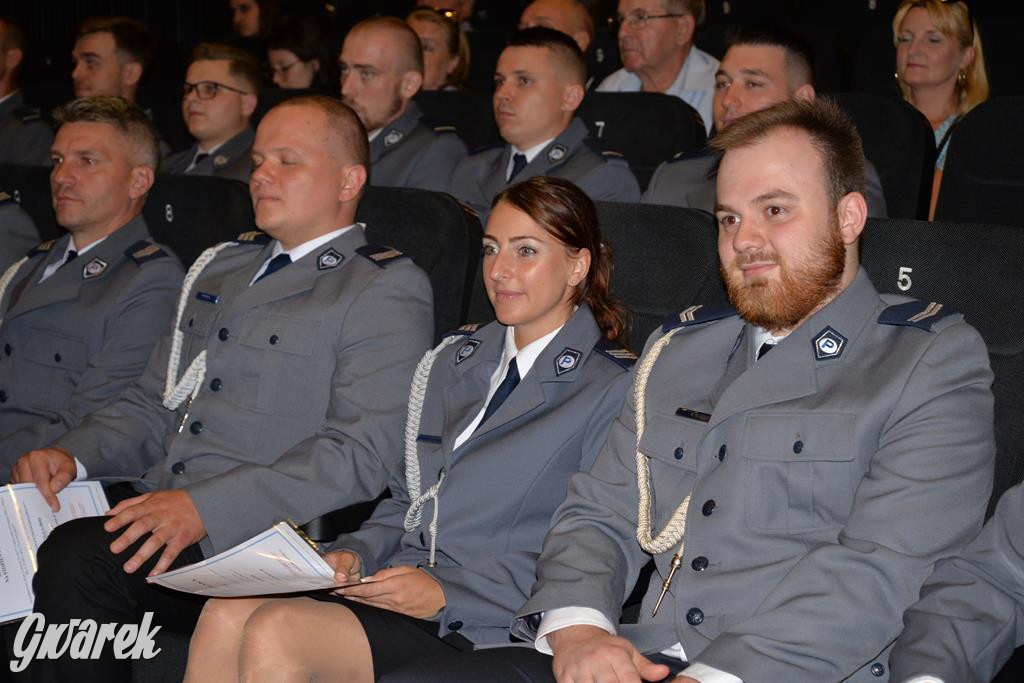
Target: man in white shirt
[[658, 54]]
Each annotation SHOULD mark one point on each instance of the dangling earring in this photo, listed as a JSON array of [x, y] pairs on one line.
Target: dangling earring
[[961, 79], [896, 75]]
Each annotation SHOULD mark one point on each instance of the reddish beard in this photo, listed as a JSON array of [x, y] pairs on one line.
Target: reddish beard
[[804, 283]]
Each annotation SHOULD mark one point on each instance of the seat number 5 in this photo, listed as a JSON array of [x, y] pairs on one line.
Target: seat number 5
[[903, 280]]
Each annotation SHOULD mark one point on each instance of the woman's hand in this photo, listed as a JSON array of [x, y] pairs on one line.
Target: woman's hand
[[406, 590]]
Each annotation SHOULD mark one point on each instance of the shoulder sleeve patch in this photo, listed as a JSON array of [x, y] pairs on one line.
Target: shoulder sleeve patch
[[622, 357], [253, 237], [42, 248], [143, 251], [380, 255], [920, 314], [696, 315]]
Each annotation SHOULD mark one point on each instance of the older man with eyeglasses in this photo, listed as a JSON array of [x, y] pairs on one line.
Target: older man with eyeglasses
[[658, 54], [219, 97]]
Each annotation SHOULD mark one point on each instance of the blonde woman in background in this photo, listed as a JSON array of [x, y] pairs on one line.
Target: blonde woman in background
[[445, 49]]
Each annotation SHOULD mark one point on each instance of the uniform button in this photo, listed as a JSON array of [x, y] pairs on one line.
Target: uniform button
[[273, 339], [223, 334], [191, 321], [878, 669], [8, 350], [454, 625], [178, 468], [721, 453], [3, 396], [694, 617], [196, 427], [216, 384], [699, 564], [708, 508], [56, 357], [798, 446], [679, 453], [55, 420]]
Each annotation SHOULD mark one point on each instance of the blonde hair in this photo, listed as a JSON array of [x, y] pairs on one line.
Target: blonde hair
[[455, 41], [953, 20]]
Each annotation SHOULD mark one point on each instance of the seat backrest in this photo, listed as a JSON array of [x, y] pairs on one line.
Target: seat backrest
[[900, 143], [978, 270], [469, 111], [983, 179], [439, 236], [646, 128], [30, 187]]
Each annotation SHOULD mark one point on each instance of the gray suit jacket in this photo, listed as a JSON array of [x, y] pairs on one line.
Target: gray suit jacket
[[808, 470], [232, 160], [407, 153], [503, 484], [688, 181], [25, 138], [301, 409], [71, 344], [18, 234], [602, 176], [971, 613]]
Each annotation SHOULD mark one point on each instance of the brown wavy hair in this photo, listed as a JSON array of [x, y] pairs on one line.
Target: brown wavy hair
[[569, 216]]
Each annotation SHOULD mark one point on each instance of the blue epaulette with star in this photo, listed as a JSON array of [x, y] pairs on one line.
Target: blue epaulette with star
[[921, 314], [621, 356], [143, 252], [253, 237], [380, 255], [697, 315]]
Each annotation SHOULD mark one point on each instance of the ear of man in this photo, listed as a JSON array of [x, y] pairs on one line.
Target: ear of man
[[140, 181], [853, 215]]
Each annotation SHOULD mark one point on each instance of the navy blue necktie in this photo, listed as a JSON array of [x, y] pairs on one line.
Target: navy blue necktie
[[276, 264], [765, 348], [69, 257], [518, 164], [503, 390]]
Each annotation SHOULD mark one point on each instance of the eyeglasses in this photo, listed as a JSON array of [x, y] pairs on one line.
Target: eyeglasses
[[207, 90], [282, 70], [637, 19]]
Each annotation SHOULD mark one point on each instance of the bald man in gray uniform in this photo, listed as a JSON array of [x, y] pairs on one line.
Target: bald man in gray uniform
[[540, 77], [280, 393], [80, 315], [381, 70], [18, 233]]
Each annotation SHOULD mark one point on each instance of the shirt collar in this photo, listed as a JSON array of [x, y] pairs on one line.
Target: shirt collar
[[298, 252], [526, 356], [530, 155]]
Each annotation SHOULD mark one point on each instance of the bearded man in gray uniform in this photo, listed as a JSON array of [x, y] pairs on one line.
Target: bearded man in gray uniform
[[795, 503], [381, 70], [80, 315], [538, 87], [280, 393]]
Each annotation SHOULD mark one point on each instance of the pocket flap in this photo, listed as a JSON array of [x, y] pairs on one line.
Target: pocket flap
[[673, 440], [57, 350], [785, 435], [279, 333]]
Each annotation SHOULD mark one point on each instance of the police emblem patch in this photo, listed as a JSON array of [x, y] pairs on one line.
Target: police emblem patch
[[566, 361], [466, 350], [393, 137], [557, 153], [93, 269], [329, 259], [828, 344]]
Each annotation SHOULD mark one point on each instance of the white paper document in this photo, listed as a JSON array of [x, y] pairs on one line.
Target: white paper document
[[26, 522], [278, 560]]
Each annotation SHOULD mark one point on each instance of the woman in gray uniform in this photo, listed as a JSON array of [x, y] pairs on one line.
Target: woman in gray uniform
[[499, 418]]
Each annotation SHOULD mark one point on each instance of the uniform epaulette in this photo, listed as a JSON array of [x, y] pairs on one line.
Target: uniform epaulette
[[611, 154], [464, 330], [143, 251], [5, 198], [696, 315], [688, 154], [621, 356], [486, 147], [921, 314], [381, 256], [253, 237], [446, 129], [27, 114], [42, 248]]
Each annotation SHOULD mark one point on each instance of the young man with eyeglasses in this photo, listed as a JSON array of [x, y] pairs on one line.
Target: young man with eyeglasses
[[219, 97], [658, 54]]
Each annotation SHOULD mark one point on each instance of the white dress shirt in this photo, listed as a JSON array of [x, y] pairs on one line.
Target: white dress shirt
[[530, 155], [56, 265]]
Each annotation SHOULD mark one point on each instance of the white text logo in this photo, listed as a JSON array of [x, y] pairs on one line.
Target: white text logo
[[81, 639]]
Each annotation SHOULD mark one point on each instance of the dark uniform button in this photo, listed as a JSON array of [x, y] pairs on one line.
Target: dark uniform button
[[699, 564], [454, 625], [721, 453], [178, 468], [708, 508], [216, 384], [3, 396], [8, 350], [56, 357], [55, 420], [679, 453], [223, 334], [196, 427], [273, 339], [694, 617], [798, 446], [878, 669], [191, 321]]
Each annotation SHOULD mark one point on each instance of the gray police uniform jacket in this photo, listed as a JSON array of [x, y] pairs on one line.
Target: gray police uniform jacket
[[232, 160], [689, 181], [408, 153], [72, 344], [301, 408], [18, 234], [971, 613], [502, 485], [826, 480], [25, 138], [601, 176]]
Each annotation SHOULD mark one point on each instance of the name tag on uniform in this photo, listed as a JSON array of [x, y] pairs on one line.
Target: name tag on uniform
[[208, 298], [693, 415]]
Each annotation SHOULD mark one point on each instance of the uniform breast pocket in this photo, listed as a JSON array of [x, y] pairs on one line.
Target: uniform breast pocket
[[195, 324], [282, 348], [800, 470], [671, 445], [57, 361]]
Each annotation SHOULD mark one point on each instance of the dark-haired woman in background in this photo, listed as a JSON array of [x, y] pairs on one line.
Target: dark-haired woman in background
[[445, 49], [299, 60], [509, 413]]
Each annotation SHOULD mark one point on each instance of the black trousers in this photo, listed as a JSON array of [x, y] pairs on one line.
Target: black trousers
[[79, 578]]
